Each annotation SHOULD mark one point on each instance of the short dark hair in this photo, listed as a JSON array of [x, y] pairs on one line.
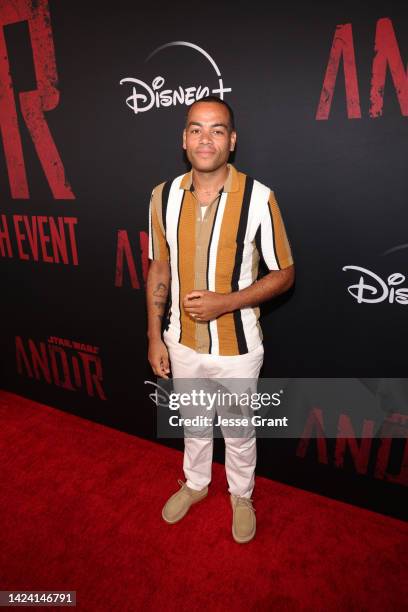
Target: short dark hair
[[218, 101]]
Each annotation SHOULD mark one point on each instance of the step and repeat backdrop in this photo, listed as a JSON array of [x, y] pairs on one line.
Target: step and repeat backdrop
[[93, 98]]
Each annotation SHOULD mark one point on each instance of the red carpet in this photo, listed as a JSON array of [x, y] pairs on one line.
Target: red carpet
[[81, 507]]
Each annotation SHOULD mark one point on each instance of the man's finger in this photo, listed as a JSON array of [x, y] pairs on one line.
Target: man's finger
[[160, 372], [165, 364], [158, 369], [193, 295], [192, 309]]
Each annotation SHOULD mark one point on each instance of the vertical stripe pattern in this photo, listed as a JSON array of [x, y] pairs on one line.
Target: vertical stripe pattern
[[223, 250]]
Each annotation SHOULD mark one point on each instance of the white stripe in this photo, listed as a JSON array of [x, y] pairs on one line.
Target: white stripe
[[212, 263], [172, 218], [262, 216], [259, 196], [257, 208], [248, 315]]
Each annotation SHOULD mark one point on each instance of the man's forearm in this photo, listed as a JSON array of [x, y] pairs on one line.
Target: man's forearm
[[157, 290], [268, 287]]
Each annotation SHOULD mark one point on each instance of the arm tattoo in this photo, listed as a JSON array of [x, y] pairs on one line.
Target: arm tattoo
[[160, 291], [161, 306]]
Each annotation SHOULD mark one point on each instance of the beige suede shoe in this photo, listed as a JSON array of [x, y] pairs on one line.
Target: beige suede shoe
[[179, 504], [243, 520]]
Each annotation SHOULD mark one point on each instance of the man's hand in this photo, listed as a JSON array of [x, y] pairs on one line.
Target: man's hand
[[205, 305], [159, 358]]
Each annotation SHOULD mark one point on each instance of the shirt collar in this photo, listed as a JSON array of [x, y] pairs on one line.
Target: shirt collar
[[231, 182]]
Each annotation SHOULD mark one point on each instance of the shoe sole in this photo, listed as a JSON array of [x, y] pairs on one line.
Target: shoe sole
[[184, 513], [241, 540]]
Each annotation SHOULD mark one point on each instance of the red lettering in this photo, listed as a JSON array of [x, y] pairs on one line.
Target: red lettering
[[144, 249], [342, 47], [5, 237], [314, 422], [54, 243], [387, 53], [395, 424], [346, 439], [124, 250], [54, 364], [33, 104]]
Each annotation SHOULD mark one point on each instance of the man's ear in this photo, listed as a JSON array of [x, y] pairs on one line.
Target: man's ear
[[233, 139], [184, 139]]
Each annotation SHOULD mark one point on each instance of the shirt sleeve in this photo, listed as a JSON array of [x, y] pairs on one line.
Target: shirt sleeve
[[271, 239], [158, 248]]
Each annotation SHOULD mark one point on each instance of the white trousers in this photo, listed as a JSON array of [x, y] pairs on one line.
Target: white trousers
[[240, 452]]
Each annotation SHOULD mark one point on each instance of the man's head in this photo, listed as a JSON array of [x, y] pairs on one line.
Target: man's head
[[209, 135]]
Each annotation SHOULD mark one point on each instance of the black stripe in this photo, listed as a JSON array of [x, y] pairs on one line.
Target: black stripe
[[263, 268], [168, 315], [258, 242], [242, 226], [275, 252], [165, 201], [178, 258], [208, 263]]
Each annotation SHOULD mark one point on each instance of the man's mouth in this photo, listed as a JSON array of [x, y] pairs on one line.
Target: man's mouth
[[205, 152]]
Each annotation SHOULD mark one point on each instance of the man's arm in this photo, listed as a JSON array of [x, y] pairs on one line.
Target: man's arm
[[208, 305], [271, 285], [157, 290]]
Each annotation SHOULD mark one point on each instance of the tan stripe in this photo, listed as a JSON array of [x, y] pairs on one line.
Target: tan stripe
[[186, 257], [203, 231], [282, 246], [160, 248], [186, 180]]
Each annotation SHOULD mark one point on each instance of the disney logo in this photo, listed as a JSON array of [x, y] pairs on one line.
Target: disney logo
[[143, 97], [381, 290]]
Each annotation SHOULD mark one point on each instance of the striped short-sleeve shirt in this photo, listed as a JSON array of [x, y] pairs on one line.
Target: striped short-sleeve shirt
[[219, 252]]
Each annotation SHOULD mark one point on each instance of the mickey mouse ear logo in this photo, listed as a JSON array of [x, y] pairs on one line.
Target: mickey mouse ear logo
[[221, 90], [399, 247]]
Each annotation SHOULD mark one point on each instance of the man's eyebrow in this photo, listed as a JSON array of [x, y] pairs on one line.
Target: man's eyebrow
[[212, 125]]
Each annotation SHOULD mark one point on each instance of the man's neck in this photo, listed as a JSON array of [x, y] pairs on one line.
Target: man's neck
[[210, 181]]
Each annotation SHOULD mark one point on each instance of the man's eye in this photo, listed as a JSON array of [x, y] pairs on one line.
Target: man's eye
[[218, 132], [195, 131]]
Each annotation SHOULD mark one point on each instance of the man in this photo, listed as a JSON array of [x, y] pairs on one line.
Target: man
[[208, 230]]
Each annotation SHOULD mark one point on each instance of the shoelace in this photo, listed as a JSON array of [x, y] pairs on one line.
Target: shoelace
[[245, 501], [184, 487]]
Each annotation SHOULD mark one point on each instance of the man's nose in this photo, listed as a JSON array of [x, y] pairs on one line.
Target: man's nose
[[205, 137]]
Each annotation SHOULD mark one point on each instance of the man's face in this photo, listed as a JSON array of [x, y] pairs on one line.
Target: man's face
[[207, 138]]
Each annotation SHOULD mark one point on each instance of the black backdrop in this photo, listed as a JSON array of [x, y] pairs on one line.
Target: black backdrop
[[341, 183]]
